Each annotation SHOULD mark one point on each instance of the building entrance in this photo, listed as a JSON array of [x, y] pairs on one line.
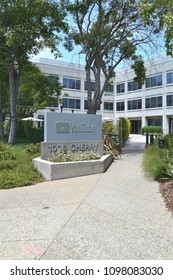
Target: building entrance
[[135, 126]]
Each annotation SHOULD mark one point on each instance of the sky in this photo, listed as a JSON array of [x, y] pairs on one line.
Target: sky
[[73, 57]]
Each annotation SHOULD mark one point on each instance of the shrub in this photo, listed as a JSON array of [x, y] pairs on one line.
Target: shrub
[[154, 162], [108, 127], [168, 140], [125, 123], [111, 147], [7, 165], [33, 149], [26, 132], [152, 130], [6, 153]]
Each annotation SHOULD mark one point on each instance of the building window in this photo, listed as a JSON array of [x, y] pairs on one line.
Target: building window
[[134, 104], [71, 103], [134, 85], [71, 83], [120, 106], [153, 102], [121, 88], [169, 100], [153, 81], [155, 122], [169, 78], [108, 106], [93, 86]]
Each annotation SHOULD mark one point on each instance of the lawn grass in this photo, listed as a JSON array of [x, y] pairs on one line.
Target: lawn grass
[[16, 168]]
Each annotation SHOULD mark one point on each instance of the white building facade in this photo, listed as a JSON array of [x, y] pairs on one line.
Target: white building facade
[[74, 93], [149, 104]]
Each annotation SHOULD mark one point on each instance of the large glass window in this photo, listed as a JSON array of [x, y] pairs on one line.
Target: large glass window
[[120, 106], [120, 88], [169, 78], [154, 81], [108, 106], [155, 122], [71, 103], [71, 83], [153, 102], [134, 85], [169, 100], [134, 104]]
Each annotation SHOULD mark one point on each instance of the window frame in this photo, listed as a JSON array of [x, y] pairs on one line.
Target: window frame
[[70, 99], [121, 90], [131, 104], [149, 101], [122, 107], [108, 102], [153, 81], [134, 86], [75, 81]]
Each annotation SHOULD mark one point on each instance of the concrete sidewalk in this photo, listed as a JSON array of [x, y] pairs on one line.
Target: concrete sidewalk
[[116, 215]]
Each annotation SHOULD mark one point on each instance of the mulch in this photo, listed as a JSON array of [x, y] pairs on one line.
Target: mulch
[[166, 189]]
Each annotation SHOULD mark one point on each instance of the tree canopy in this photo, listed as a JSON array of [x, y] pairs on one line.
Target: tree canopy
[[26, 27], [109, 32], [159, 14], [36, 91]]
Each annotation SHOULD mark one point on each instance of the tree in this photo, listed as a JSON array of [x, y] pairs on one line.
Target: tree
[[26, 27], [4, 97], [160, 15], [108, 32], [36, 91]]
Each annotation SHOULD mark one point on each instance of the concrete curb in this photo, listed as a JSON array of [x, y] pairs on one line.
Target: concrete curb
[[55, 171]]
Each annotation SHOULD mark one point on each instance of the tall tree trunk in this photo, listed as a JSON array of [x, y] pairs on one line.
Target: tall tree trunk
[[13, 104], [89, 92], [1, 117]]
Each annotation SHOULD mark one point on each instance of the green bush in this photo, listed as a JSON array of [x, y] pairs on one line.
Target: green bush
[[33, 148], [125, 123], [108, 127], [152, 130], [26, 132], [6, 153], [168, 140]]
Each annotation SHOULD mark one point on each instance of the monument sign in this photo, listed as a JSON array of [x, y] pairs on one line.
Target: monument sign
[[71, 132]]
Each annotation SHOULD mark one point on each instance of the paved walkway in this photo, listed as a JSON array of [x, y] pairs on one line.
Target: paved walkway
[[116, 215]]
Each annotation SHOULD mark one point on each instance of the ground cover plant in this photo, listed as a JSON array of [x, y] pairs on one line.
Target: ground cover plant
[[16, 168], [154, 161], [62, 156], [158, 163]]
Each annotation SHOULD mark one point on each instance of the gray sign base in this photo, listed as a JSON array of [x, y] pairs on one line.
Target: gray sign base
[[56, 171]]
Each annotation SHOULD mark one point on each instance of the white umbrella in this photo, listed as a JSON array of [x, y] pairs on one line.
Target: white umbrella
[[107, 119], [32, 119]]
